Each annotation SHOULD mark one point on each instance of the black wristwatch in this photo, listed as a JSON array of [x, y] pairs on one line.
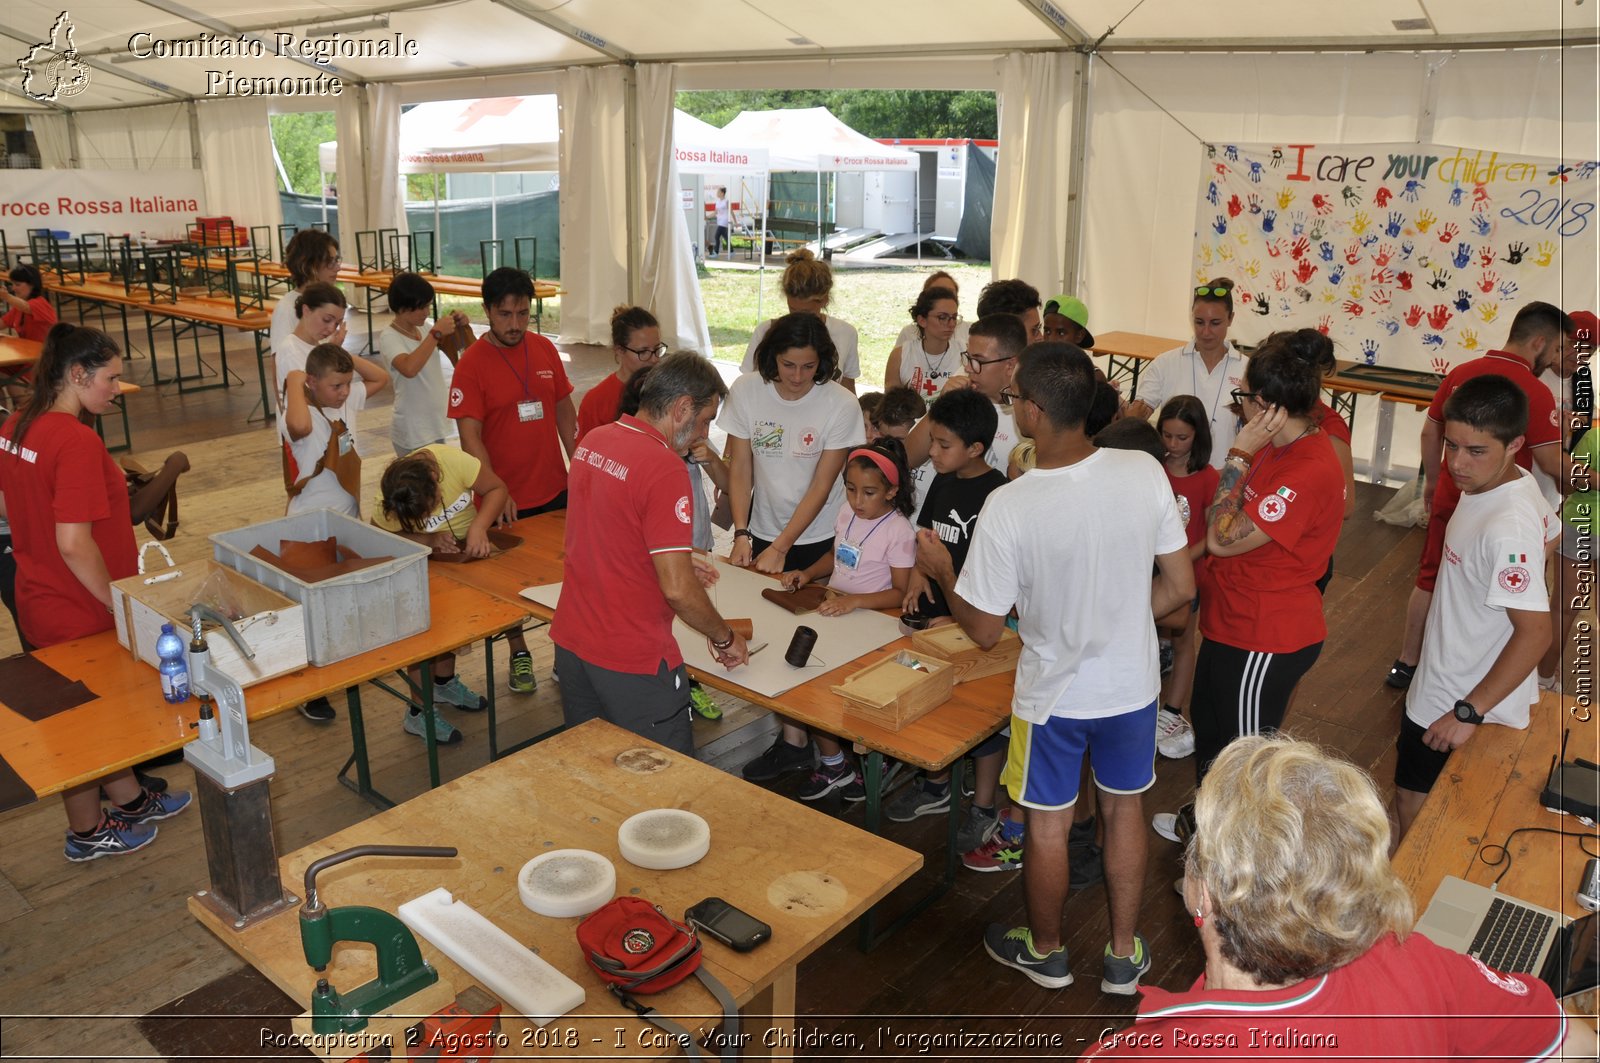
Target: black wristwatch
[[1467, 714]]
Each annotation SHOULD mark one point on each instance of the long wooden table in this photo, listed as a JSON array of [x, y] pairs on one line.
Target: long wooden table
[[936, 741], [805, 874], [1489, 790], [128, 722]]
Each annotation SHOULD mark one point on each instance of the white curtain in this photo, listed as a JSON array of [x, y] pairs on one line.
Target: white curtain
[[104, 142], [350, 124], [385, 186], [594, 157], [236, 161], [53, 136], [669, 287], [1028, 229], [138, 138]]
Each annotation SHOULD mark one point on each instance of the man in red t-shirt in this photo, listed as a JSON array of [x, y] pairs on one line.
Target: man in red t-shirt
[[628, 568], [512, 402], [1540, 339]]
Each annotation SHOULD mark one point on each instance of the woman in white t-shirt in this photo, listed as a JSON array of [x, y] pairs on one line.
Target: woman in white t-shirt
[[1207, 367], [312, 256], [931, 355], [789, 427], [808, 286], [319, 318]]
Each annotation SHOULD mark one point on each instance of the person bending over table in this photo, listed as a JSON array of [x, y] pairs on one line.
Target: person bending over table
[[1271, 530], [808, 288], [1208, 367], [635, 344], [1308, 939], [71, 534], [512, 401], [789, 427], [629, 566]]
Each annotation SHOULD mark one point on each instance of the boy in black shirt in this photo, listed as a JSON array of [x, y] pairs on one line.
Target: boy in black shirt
[[962, 427]]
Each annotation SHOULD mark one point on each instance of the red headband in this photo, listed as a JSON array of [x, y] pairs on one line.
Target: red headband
[[881, 460]]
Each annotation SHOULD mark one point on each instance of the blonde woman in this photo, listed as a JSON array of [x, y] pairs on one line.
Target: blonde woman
[[808, 287]]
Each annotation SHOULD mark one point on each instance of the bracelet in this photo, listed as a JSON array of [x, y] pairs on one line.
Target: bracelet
[[732, 634], [1245, 455], [744, 532]]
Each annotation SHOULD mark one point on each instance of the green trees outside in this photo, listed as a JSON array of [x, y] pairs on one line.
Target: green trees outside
[[910, 113]]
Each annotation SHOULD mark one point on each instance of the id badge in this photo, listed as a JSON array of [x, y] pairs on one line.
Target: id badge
[[347, 443], [848, 555], [530, 410]]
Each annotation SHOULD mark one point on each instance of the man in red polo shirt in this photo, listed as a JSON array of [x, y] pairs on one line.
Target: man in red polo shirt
[[512, 402], [628, 569], [1541, 339]]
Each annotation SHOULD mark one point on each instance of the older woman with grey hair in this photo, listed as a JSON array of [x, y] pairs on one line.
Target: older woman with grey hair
[[1306, 931]]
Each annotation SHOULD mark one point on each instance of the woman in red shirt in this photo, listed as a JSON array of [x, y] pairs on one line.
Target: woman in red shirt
[[31, 314], [636, 344], [67, 503], [1270, 534]]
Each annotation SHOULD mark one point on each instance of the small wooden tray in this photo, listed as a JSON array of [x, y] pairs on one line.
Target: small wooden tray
[[948, 642], [807, 599], [892, 695]]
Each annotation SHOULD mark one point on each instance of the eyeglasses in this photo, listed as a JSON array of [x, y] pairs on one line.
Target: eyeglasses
[[945, 319], [977, 364], [1221, 293], [1011, 396], [647, 352], [1240, 396]]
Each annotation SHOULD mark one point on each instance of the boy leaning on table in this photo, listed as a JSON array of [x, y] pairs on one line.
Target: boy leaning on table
[[1489, 621]]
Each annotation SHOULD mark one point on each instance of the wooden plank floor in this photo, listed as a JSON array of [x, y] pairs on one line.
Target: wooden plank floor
[[112, 939]]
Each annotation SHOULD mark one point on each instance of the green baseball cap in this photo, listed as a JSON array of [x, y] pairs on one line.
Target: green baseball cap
[[1072, 308]]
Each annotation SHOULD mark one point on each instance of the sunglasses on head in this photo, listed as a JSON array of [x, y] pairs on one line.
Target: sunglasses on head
[[1206, 289]]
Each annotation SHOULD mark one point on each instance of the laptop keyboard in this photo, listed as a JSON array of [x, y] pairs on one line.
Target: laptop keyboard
[[1509, 937]]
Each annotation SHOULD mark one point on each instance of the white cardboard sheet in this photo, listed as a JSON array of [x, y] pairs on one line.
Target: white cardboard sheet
[[737, 594]]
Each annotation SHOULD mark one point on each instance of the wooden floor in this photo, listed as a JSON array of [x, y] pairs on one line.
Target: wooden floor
[[86, 950]]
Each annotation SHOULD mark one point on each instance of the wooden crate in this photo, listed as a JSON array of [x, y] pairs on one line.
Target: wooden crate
[[950, 643], [273, 625], [892, 694]]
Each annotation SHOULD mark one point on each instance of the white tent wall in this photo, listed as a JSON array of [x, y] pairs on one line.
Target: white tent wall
[[353, 180], [669, 286], [1029, 227], [53, 134], [594, 214], [1144, 167], [236, 160], [138, 138], [385, 187]]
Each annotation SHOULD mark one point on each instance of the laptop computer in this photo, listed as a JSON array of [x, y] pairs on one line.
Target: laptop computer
[[1514, 936]]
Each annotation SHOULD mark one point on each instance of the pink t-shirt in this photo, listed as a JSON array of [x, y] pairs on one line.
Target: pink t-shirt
[[875, 545]]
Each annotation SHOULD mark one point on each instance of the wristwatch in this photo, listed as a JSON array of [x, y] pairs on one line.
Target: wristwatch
[[1467, 714], [744, 532]]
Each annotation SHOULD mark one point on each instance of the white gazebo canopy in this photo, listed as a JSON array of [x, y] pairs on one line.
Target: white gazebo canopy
[[813, 140], [503, 133]]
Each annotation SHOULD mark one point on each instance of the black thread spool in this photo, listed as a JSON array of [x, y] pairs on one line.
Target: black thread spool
[[800, 647]]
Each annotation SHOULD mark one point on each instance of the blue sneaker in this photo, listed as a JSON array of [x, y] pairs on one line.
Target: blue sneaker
[[1014, 948], [156, 805], [455, 692], [111, 837], [1120, 974]]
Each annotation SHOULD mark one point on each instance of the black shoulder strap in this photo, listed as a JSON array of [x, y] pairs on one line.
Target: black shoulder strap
[[691, 1047]]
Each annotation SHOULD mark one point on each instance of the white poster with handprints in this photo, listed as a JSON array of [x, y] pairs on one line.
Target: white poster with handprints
[[1409, 255]]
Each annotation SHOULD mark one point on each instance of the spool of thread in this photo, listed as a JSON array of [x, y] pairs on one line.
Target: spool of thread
[[800, 646], [744, 626]]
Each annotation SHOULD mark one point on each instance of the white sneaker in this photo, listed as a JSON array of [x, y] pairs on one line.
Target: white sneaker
[[1551, 682], [1174, 736], [1166, 825]]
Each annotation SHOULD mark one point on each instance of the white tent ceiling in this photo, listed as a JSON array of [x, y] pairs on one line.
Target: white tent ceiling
[[466, 39]]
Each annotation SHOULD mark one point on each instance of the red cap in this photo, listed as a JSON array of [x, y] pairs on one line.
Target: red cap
[[1584, 327]]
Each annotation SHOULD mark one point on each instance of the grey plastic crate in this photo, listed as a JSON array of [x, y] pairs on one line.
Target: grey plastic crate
[[349, 614]]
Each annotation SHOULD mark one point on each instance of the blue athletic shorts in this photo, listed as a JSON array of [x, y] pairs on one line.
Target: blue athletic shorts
[[1046, 759]]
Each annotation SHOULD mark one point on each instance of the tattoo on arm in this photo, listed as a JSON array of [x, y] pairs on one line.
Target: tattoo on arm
[[1227, 514]]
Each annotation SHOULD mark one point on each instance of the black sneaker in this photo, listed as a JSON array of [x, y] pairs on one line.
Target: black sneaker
[[1085, 867], [779, 759], [1400, 674], [319, 710], [825, 780]]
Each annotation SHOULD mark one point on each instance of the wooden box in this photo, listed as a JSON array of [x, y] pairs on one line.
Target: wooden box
[[891, 694], [273, 625], [948, 642]]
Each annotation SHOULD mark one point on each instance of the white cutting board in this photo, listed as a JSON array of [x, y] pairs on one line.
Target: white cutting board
[[840, 639]]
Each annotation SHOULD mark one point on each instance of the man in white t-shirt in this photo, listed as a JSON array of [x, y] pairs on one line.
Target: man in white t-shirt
[[1489, 621], [1088, 678]]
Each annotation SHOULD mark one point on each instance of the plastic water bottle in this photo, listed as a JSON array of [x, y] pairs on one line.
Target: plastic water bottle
[[174, 665]]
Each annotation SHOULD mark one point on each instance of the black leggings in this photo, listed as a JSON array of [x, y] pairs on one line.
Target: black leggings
[[1241, 692]]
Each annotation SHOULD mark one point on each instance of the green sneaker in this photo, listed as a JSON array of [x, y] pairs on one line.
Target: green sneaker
[[522, 678], [703, 704], [1014, 947]]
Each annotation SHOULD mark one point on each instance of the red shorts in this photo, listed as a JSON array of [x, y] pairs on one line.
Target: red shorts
[[1432, 550]]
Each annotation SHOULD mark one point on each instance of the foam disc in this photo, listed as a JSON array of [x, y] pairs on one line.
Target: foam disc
[[664, 839], [567, 882]]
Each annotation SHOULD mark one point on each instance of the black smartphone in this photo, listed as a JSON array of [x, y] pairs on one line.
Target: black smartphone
[[720, 920]]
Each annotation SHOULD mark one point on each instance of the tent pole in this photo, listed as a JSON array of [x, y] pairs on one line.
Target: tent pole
[[916, 205], [438, 237], [761, 270], [1077, 172]]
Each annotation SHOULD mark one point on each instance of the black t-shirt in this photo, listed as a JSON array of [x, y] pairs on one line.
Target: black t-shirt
[[951, 509]]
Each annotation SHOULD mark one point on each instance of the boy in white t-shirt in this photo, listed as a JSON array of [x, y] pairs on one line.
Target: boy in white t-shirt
[[1489, 622], [324, 469], [410, 349]]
